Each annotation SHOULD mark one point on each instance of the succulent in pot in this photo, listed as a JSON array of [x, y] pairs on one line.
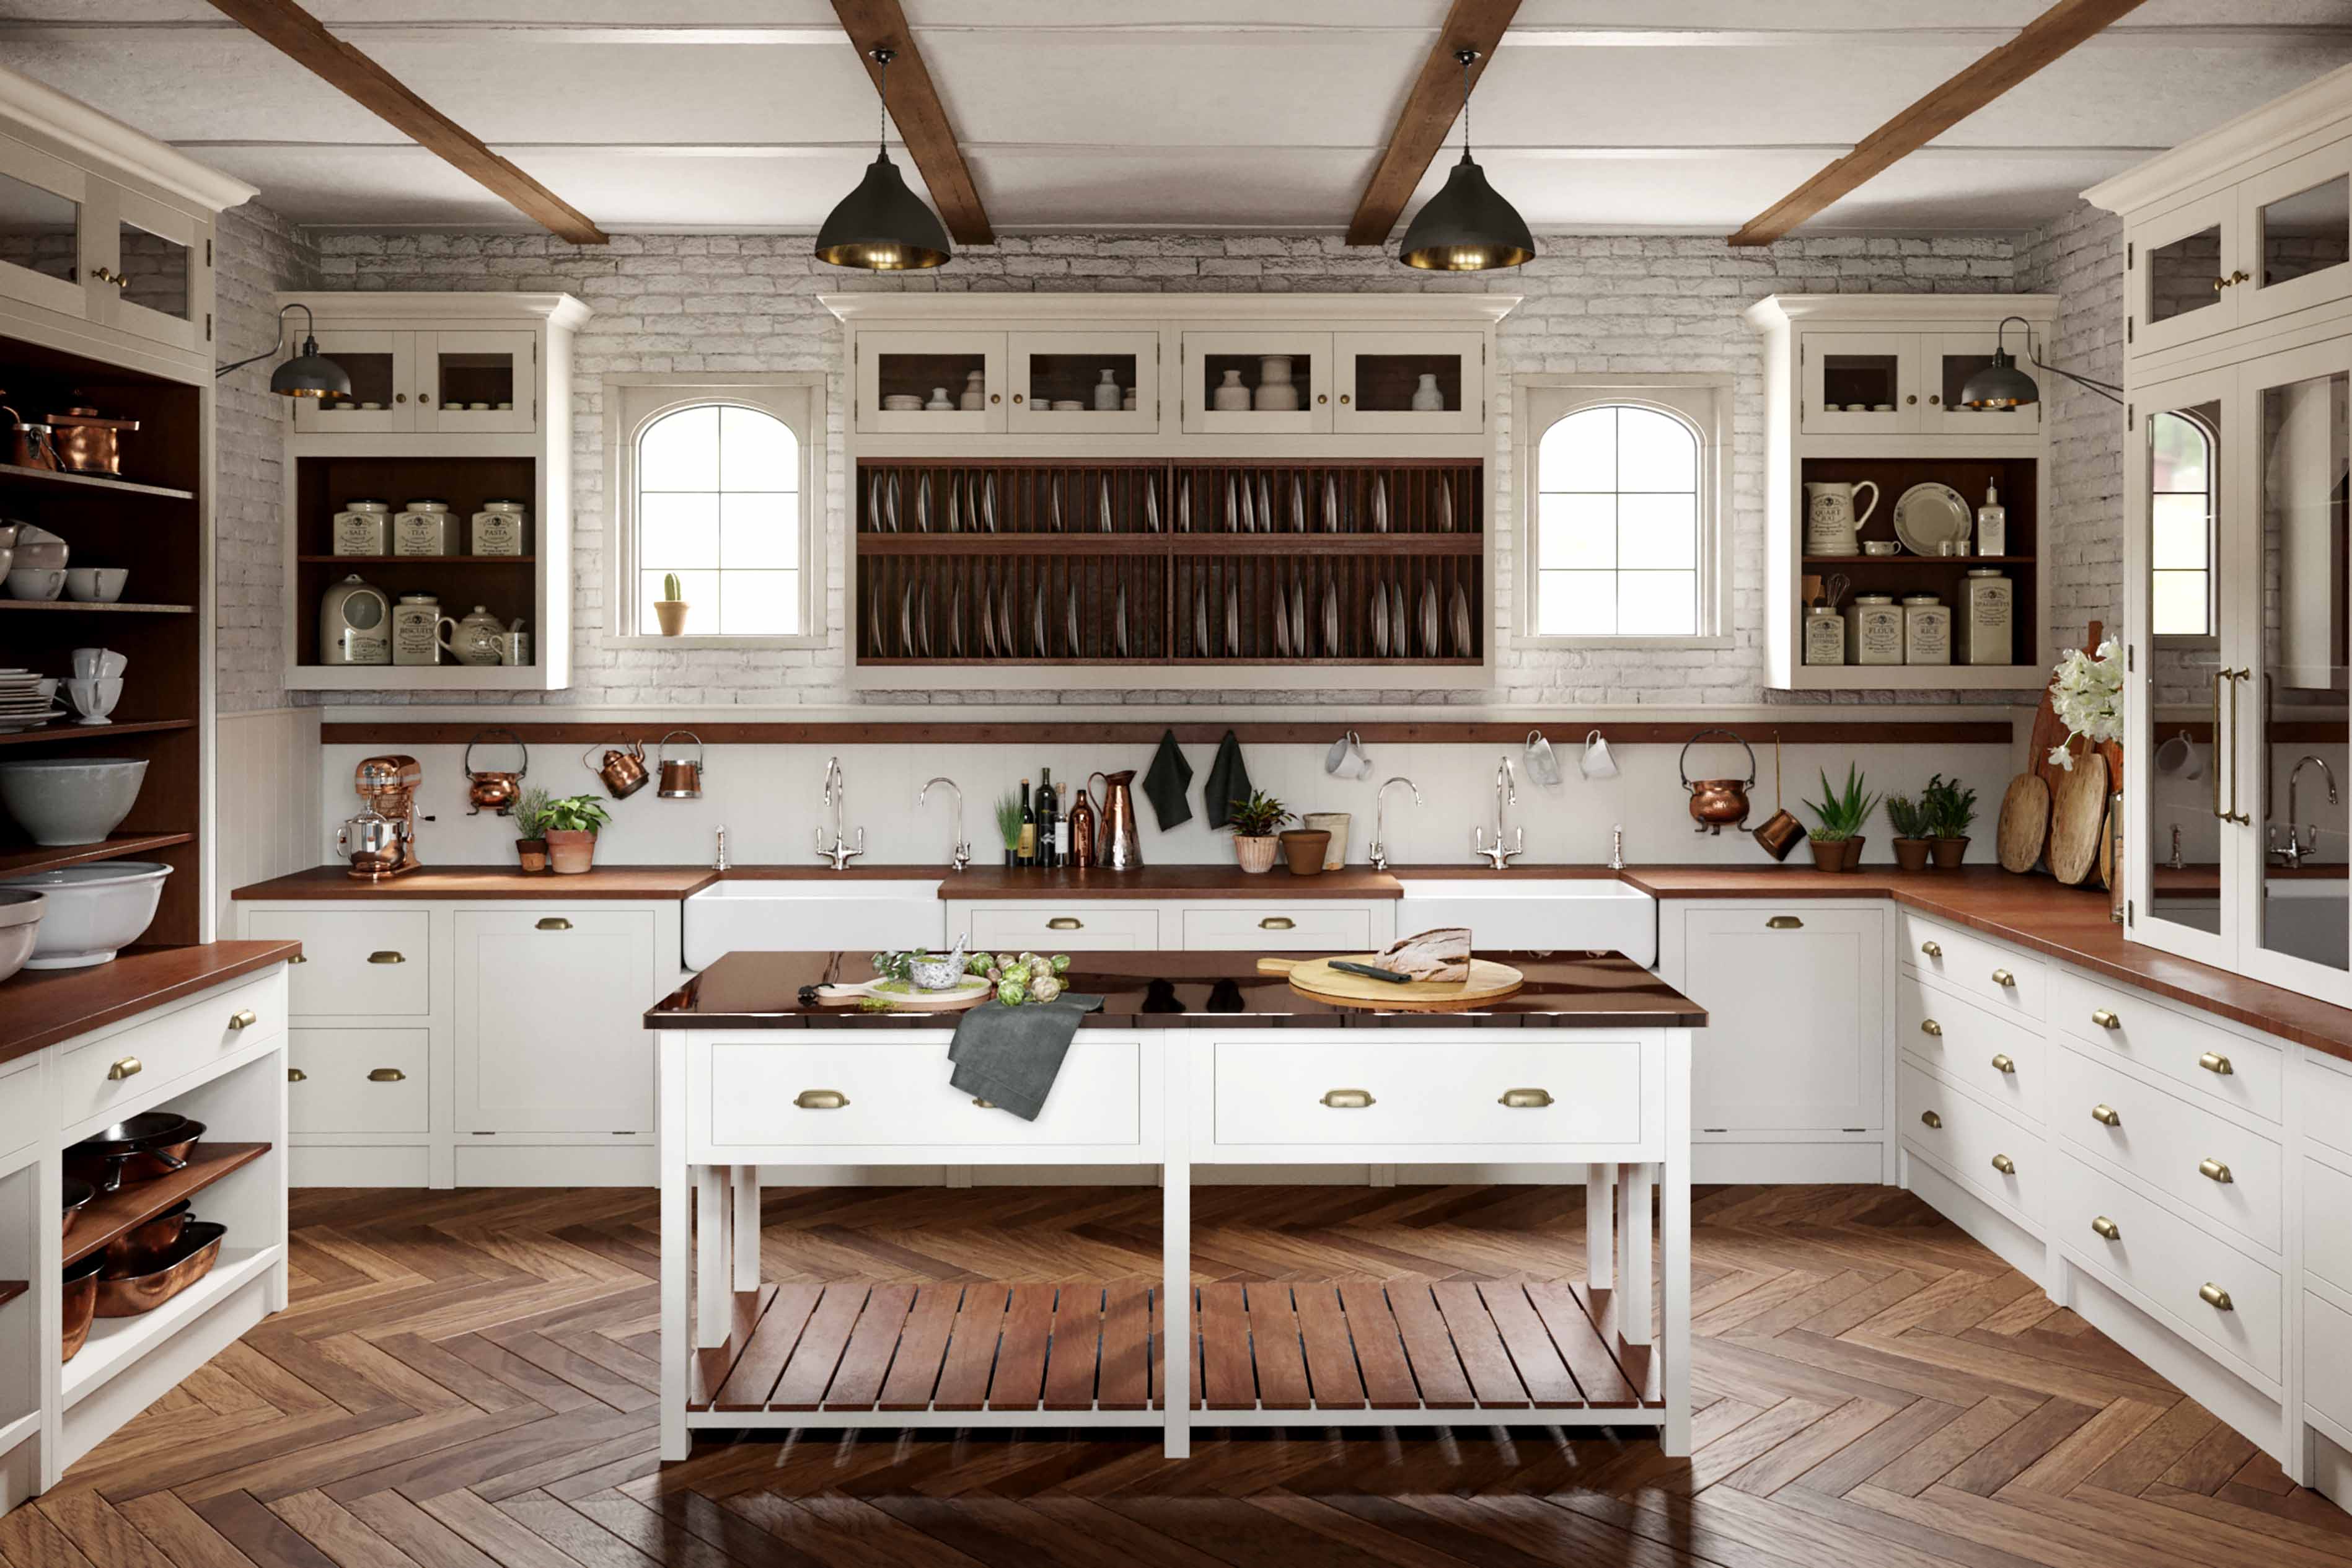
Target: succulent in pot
[[570, 826], [1255, 822], [531, 809], [1914, 828], [1841, 813], [670, 608], [1950, 810]]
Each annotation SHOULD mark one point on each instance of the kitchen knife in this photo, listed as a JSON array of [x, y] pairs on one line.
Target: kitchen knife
[[1369, 971]]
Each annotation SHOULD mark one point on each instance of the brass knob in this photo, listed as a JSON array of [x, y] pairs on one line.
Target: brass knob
[[997, 397], [1910, 398], [1343, 400], [295, 1075], [103, 276], [243, 1018], [2003, 977], [554, 922], [424, 397], [399, 398], [1930, 1118], [1935, 397], [2107, 1115], [1276, 922], [1931, 1028], [2106, 1228], [387, 956], [2214, 1171], [820, 1099], [2215, 1062], [1784, 922], [129, 1066], [1348, 1099], [1933, 949], [2004, 1165], [387, 1074], [1064, 922], [1322, 397], [1525, 1098], [2213, 1296], [1018, 398], [2002, 1062], [2105, 1020]]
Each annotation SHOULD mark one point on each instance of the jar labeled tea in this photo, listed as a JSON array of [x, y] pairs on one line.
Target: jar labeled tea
[[498, 528], [363, 528], [421, 528], [414, 620], [1824, 637], [1873, 630], [1988, 613], [1926, 630]]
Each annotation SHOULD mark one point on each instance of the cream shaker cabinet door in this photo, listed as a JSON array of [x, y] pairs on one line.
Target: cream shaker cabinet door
[[1797, 1003], [550, 1020]]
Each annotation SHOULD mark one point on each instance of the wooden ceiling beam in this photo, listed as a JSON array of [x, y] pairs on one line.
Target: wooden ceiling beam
[[295, 32], [1429, 114], [2045, 38], [921, 118]]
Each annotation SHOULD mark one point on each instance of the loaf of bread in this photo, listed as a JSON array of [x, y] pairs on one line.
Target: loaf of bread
[[1443, 955]]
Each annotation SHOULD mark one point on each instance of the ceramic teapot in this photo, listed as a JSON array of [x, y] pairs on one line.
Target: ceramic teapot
[[479, 638]]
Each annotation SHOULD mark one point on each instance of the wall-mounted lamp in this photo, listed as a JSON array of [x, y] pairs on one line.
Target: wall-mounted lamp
[[2001, 384], [309, 373]]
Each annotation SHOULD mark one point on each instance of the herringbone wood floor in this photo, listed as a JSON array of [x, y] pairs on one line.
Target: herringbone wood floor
[[467, 1379]]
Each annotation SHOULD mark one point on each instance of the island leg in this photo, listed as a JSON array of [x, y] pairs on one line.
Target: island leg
[[1600, 1233], [744, 1232], [1675, 1248], [1175, 1316], [711, 1273], [675, 1343], [1633, 1308]]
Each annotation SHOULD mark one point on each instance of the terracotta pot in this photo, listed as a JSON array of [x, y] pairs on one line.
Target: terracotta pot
[[1911, 854], [570, 852], [1255, 855], [1854, 854], [1303, 848], [1829, 853], [531, 853], [1950, 852], [671, 613]]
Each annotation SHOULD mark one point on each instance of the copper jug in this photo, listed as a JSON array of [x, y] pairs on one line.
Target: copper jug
[[1118, 845], [623, 772], [495, 791], [680, 780], [1082, 831], [1717, 804]]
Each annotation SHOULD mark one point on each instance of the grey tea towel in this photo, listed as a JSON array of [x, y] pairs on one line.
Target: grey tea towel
[[1229, 780], [1011, 1055], [1166, 784]]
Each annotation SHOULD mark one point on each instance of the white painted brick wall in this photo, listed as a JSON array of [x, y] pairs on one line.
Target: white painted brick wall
[[2080, 259]]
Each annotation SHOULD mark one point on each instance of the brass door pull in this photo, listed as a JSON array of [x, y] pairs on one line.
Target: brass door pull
[[1932, 949], [2002, 977], [1930, 1118], [1784, 922], [298, 958], [2216, 1063], [1525, 1098], [820, 1099], [2004, 1165], [2214, 1171], [554, 922], [983, 1104], [295, 1075], [2213, 1296], [2106, 1019], [387, 956], [1348, 1099], [1931, 1028], [1064, 922], [243, 1018], [1276, 922], [2107, 1115], [2002, 1062], [387, 1074], [2106, 1228], [129, 1066]]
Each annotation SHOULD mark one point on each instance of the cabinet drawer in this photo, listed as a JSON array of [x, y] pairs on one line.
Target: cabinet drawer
[[897, 1093], [358, 1080], [1276, 927], [2328, 1224], [2162, 1261], [2327, 1097], [105, 1073], [25, 1114], [1963, 1139], [2001, 1060], [2327, 1358], [2166, 1142], [1066, 928], [2182, 1047], [1975, 966], [359, 962], [1285, 1093]]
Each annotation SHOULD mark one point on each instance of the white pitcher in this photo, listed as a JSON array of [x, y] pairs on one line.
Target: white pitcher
[[1831, 521]]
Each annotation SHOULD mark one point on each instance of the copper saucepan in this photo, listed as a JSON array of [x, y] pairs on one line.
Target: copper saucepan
[[78, 1195], [1782, 831], [88, 442], [134, 1251], [1717, 804]]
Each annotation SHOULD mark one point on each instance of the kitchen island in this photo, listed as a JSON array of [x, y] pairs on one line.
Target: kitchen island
[[1195, 1059]]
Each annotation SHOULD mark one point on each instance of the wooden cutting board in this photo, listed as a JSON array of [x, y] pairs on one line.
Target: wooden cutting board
[[2024, 823], [2077, 811], [904, 998], [1315, 977]]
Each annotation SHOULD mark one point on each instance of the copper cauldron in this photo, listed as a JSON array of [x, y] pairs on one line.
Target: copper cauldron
[[499, 791], [88, 442], [680, 778], [623, 772], [1717, 804]]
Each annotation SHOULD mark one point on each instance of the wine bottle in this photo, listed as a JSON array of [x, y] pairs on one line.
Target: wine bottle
[[1045, 818], [1028, 827]]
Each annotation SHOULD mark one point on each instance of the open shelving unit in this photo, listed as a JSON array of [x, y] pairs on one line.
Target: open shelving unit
[[110, 1214]]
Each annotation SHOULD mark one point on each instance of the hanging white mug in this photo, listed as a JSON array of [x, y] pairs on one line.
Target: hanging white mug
[[1596, 761], [1831, 524], [1346, 758]]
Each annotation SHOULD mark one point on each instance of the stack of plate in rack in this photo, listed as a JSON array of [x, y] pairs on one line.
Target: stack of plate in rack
[[26, 701]]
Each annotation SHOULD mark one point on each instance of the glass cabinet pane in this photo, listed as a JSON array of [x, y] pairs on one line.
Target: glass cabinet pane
[[2307, 232], [154, 272], [2181, 276], [1860, 383], [374, 374], [1254, 383], [40, 230], [1094, 383], [1406, 382], [476, 382], [2299, 749], [934, 383], [2183, 453]]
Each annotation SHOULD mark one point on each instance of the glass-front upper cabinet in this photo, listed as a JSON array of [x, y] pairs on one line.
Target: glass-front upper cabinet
[[924, 382], [1094, 382], [381, 367], [485, 381], [2297, 220], [1861, 383], [1426, 383], [2185, 265], [1269, 383], [161, 286], [1949, 360], [43, 225]]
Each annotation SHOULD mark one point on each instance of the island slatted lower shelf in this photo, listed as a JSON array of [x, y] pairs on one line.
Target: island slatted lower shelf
[[1368, 1352]]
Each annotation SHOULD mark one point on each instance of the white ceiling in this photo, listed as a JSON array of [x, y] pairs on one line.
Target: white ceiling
[[1198, 115]]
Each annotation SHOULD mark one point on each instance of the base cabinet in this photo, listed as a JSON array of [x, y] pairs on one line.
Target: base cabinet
[[550, 1026], [1189, 925]]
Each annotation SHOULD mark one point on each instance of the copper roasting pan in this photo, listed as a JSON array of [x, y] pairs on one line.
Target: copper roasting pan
[[188, 1261], [81, 1302], [136, 1250]]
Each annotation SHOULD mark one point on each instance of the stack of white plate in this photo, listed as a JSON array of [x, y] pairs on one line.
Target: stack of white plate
[[23, 704]]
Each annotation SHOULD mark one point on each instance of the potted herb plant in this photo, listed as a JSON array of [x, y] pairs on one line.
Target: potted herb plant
[[570, 826], [1950, 810], [1914, 828], [530, 823], [1254, 823], [1838, 841], [670, 608], [1008, 825]]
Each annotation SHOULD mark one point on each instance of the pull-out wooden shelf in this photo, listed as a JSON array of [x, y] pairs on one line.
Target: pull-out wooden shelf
[[109, 1214]]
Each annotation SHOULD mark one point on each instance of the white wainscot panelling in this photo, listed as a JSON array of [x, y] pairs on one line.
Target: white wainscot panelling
[[266, 810]]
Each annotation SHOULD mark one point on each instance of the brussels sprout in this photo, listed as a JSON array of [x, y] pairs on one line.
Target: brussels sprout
[[1045, 988], [979, 963], [1007, 960], [1012, 993], [1061, 963]]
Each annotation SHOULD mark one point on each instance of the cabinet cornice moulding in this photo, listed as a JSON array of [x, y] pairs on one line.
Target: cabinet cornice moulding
[[2316, 112], [46, 113], [352, 306], [1061, 308], [1959, 311]]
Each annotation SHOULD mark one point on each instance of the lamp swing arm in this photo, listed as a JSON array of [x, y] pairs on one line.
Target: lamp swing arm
[[2108, 390], [310, 329]]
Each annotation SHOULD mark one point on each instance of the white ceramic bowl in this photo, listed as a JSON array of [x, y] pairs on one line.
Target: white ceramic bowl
[[63, 801], [41, 549], [37, 582], [90, 912], [96, 584], [20, 924]]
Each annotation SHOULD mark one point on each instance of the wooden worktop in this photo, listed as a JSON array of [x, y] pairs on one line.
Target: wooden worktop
[[41, 1006], [323, 882], [1226, 881]]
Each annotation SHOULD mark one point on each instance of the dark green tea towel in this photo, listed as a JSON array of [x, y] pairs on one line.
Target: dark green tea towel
[[1167, 783], [1228, 781], [1011, 1055]]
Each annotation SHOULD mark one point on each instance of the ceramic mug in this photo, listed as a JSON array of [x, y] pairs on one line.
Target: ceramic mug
[[2178, 758], [1345, 759], [1596, 761], [98, 664]]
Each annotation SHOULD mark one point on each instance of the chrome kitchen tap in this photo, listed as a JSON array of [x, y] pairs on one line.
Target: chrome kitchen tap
[[1380, 849], [840, 854], [2291, 855], [960, 856], [1506, 792]]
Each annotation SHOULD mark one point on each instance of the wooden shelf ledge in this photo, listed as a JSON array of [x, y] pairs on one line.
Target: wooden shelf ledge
[[79, 606], [12, 1288], [109, 1214], [417, 560], [24, 859], [37, 478], [1166, 545], [67, 730]]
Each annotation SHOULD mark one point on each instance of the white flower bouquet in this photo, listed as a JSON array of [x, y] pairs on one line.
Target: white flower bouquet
[[2088, 697]]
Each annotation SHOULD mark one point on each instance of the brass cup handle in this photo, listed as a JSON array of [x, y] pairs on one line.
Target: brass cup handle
[[554, 922], [2215, 1062], [983, 1104], [295, 1075], [118, 280], [387, 1074], [2003, 978], [2105, 1228], [2214, 1171], [129, 1066], [1066, 922], [1930, 1119], [1525, 1099], [1932, 949], [298, 958], [1784, 922], [1932, 1029], [387, 956], [1277, 922], [2003, 1062], [2004, 1165], [2213, 1296], [820, 1099], [2107, 1115], [2106, 1019], [1348, 1099], [243, 1018]]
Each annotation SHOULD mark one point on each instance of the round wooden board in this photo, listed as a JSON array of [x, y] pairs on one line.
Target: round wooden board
[[2076, 812], [2024, 823], [904, 998], [1315, 977]]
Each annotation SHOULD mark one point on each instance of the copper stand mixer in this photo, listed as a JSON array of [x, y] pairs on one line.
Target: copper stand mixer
[[381, 841]]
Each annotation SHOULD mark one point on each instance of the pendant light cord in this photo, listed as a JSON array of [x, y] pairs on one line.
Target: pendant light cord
[[1467, 58], [882, 57]]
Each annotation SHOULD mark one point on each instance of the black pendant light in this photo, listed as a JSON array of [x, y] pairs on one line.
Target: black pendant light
[[883, 226], [1467, 228], [308, 374], [2001, 384]]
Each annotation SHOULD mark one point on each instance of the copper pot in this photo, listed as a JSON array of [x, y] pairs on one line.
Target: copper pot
[[81, 1303], [1717, 804], [188, 1260], [1781, 832], [88, 442], [495, 792], [30, 446], [680, 780], [78, 1196], [623, 772], [135, 1250]]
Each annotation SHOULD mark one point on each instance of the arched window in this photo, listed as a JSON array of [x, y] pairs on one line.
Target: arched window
[[2181, 481], [1624, 510]]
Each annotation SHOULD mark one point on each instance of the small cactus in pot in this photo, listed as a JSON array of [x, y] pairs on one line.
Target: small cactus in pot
[[670, 608]]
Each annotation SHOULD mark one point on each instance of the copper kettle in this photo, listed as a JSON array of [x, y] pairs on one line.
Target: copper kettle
[[623, 772], [495, 792], [1717, 804], [680, 780]]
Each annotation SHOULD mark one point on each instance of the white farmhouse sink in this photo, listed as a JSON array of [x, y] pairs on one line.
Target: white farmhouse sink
[[1526, 912], [809, 915]]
